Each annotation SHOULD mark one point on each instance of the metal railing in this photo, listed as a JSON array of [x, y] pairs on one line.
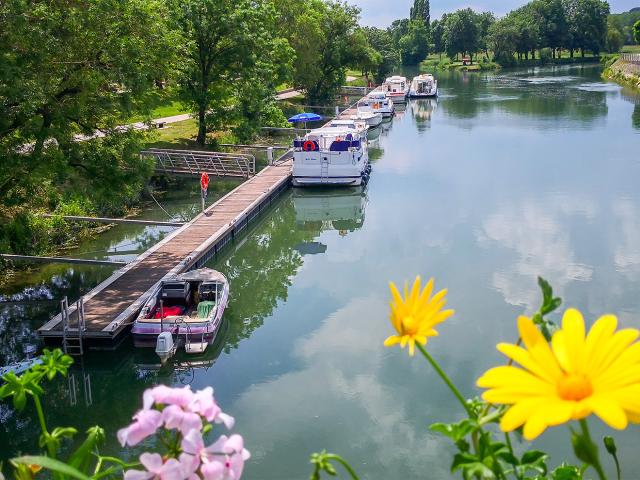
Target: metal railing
[[195, 162], [630, 58]]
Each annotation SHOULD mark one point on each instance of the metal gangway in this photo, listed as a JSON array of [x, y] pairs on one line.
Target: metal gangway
[[195, 162]]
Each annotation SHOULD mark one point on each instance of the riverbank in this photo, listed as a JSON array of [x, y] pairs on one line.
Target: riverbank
[[623, 72], [485, 64]]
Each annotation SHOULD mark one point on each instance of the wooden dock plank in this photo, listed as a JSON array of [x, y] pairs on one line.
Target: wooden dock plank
[[112, 299]]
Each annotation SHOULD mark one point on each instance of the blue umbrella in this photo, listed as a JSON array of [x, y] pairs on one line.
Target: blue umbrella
[[305, 117]]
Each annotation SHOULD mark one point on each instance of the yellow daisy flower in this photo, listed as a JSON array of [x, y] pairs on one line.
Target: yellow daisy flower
[[571, 378], [415, 315]]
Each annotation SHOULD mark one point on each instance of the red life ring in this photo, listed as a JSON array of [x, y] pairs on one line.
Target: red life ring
[[308, 146]]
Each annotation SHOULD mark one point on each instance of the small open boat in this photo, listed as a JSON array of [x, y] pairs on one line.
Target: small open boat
[[184, 311]]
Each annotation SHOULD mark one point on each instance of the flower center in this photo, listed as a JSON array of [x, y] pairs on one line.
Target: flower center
[[574, 387], [409, 325]]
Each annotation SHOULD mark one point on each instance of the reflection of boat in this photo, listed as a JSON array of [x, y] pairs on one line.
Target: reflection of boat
[[189, 306], [423, 108], [396, 88], [423, 86], [341, 210], [376, 102], [332, 155]]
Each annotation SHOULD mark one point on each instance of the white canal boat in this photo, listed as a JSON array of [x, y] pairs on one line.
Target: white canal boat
[[423, 86], [370, 118], [376, 102], [184, 311], [396, 88], [332, 155]]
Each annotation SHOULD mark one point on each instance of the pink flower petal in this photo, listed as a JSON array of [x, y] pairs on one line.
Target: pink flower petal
[[175, 417], [164, 395], [137, 475], [151, 461], [228, 420], [214, 470], [146, 423]]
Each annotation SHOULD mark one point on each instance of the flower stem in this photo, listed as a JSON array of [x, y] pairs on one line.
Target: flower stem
[[507, 438], [344, 463], [446, 380], [596, 459]]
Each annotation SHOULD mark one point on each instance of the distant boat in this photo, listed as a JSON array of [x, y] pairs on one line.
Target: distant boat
[[396, 88], [376, 102], [423, 86], [184, 311]]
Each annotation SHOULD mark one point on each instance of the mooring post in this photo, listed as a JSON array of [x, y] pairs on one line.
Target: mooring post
[[337, 111], [270, 155], [161, 316]]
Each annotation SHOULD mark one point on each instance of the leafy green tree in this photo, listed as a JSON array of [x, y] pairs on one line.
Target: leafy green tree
[[414, 46], [437, 35], [587, 24], [528, 31], [398, 29], [615, 37], [485, 20], [636, 32], [326, 40], [551, 23], [382, 42], [71, 69], [502, 39], [420, 12], [462, 33], [232, 59]]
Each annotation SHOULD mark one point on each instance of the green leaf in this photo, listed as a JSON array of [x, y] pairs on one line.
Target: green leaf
[[456, 431], [566, 472], [83, 455], [533, 456], [53, 465]]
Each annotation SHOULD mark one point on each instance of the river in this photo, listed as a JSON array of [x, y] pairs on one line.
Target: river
[[505, 177]]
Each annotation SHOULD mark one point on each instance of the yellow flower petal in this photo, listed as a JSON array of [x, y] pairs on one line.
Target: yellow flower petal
[[392, 340], [609, 411]]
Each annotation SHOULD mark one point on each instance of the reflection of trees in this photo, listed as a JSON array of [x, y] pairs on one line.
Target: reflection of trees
[[635, 117], [260, 269], [544, 100]]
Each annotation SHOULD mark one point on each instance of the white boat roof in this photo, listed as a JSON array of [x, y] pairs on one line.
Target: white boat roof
[[331, 131], [349, 123], [396, 78], [202, 274], [424, 76], [378, 95]]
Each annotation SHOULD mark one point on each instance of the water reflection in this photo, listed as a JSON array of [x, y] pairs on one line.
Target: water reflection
[[422, 110]]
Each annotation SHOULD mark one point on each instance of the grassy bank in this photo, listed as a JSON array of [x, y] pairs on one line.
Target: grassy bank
[[621, 72]]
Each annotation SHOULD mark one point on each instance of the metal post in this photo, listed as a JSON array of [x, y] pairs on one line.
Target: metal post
[[270, 155], [337, 111], [161, 316]]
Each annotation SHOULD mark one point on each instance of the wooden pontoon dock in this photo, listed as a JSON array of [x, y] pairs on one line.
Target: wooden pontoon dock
[[110, 308]]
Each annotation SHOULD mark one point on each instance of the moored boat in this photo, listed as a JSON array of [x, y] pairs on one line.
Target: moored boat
[[184, 311], [423, 86], [332, 155], [396, 88], [370, 118]]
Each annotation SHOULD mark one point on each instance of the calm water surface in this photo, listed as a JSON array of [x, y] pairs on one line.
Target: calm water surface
[[506, 177]]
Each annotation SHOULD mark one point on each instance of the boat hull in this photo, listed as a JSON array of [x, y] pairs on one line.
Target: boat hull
[[423, 95], [397, 97]]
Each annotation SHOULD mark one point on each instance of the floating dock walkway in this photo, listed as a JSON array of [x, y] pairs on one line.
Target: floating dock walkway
[[109, 309]]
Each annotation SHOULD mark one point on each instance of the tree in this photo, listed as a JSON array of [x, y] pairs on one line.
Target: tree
[[587, 24], [381, 41], [230, 49], [462, 33], [414, 46], [615, 37], [437, 35], [420, 12], [485, 20], [551, 23], [71, 68], [398, 29], [327, 40], [502, 39], [636, 32]]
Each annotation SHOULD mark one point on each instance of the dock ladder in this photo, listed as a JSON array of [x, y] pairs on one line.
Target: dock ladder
[[72, 334]]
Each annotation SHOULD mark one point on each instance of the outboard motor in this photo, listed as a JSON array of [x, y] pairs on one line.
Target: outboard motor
[[164, 346]]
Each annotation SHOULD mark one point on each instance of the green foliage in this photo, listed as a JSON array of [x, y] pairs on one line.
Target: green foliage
[[636, 32], [233, 61], [414, 44], [421, 12], [462, 33], [382, 42]]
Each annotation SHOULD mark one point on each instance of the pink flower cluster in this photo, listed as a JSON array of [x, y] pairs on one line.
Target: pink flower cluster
[[183, 410]]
